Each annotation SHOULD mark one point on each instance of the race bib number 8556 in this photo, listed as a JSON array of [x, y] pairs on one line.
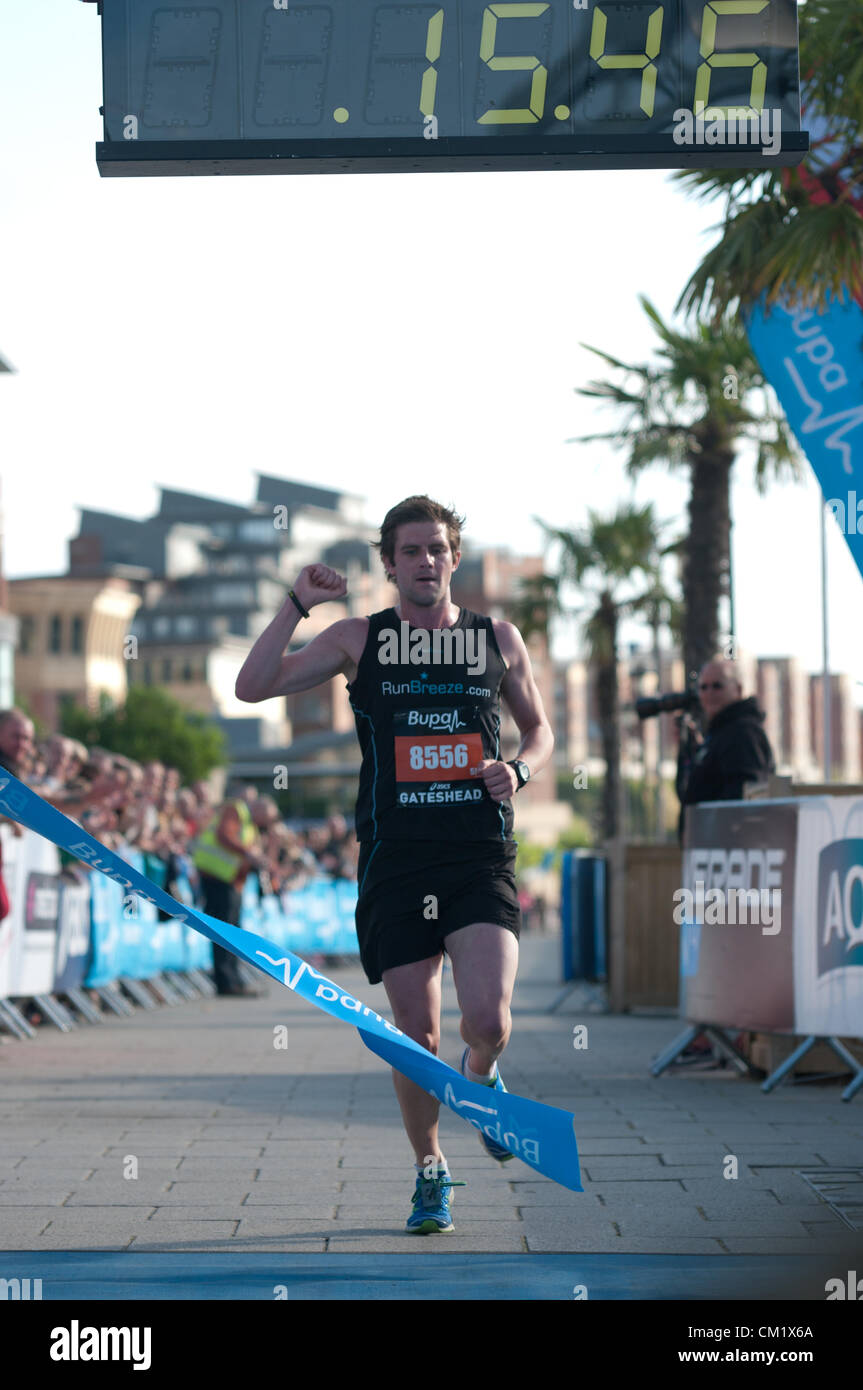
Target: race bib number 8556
[[455, 756]]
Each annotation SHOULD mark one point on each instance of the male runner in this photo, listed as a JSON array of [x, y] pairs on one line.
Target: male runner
[[433, 816]]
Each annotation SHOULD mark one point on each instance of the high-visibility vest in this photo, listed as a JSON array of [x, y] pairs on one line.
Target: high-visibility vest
[[211, 857]]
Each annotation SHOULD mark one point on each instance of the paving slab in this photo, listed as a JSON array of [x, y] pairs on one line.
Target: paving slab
[[644, 1166], [241, 1148]]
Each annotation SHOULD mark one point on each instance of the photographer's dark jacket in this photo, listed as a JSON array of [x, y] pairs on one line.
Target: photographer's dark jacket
[[736, 750]]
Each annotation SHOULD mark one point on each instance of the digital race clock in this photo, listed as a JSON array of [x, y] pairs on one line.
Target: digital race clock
[[297, 86]]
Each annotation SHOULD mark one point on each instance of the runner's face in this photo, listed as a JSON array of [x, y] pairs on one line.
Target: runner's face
[[424, 562]]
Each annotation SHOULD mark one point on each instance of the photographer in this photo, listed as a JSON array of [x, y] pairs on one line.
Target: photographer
[[734, 749]]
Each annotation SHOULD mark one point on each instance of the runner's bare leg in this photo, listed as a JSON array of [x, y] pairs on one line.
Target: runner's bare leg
[[484, 964], [414, 992]]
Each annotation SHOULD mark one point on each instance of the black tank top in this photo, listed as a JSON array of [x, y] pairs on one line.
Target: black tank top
[[427, 710]]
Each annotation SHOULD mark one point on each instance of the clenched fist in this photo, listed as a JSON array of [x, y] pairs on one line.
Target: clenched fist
[[500, 779], [318, 584]]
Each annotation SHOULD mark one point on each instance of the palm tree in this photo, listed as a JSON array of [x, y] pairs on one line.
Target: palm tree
[[537, 601], [601, 558], [795, 233], [692, 410]]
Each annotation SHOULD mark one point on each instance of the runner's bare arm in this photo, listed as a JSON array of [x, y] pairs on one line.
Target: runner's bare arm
[[519, 693], [268, 670], [324, 657]]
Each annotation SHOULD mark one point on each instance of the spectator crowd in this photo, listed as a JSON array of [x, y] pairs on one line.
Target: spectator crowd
[[144, 806]]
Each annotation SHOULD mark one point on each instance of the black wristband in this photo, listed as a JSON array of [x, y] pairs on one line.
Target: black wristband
[[297, 603]]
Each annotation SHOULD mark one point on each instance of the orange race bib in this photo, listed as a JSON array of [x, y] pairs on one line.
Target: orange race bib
[[437, 757]]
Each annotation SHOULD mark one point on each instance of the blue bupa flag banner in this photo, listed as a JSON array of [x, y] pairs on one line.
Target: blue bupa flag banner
[[542, 1136], [814, 362]]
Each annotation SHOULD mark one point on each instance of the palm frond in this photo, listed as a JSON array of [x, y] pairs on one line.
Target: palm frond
[[831, 56], [612, 361], [774, 240]]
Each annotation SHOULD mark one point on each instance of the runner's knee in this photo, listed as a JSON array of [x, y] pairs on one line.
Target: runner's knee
[[489, 1025]]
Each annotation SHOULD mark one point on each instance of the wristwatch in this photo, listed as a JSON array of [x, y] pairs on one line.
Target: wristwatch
[[522, 771]]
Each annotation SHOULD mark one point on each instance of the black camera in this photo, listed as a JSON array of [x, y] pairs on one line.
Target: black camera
[[651, 705]]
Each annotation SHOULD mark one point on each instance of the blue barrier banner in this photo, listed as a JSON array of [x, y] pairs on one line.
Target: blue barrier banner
[[250, 906], [106, 912], [272, 918], [299, 932], [814, 362], [139, 927], [347, 893], [73, 937], [196, 952], [542, 1136]]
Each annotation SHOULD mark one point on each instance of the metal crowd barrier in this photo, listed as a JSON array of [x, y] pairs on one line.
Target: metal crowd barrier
[[74, 950]]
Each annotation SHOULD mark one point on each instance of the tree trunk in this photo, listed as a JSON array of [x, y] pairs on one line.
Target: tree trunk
[[659, 789], [608, 701], [707, 548]]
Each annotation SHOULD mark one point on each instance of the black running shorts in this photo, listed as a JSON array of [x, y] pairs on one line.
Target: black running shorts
[[412, 894]]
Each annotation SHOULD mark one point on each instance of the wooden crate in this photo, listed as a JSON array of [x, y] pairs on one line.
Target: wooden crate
[[769, 1050], [643, 938]]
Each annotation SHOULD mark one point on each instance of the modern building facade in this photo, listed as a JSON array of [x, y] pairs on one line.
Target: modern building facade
[[73, 640]]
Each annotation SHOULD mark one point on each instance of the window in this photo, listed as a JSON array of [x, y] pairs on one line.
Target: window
[[260, 530], [188, 673], [77, 638], [161, 627], [148, 673], [166, 669], [186, 626], [25, 634], [232, 564], [240, 595], [55, 634]]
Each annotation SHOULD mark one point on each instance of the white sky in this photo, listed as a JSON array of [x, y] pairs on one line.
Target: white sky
[[383, 334]]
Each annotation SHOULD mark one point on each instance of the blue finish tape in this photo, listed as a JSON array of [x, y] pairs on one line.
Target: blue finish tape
[[542, 1136]]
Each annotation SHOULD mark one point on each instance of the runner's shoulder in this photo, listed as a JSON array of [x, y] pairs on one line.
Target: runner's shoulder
[[509, 640], [351, 634]]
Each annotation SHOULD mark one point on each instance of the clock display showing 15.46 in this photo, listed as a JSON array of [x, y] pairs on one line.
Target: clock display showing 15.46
[[363, 70]]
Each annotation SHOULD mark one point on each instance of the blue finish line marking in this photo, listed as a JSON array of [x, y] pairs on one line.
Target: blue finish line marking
[[127, 1276]]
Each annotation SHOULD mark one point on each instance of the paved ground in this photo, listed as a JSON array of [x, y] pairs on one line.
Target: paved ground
[[240, 1146]]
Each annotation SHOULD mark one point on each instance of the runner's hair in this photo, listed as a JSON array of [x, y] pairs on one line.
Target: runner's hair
[[418, 508]]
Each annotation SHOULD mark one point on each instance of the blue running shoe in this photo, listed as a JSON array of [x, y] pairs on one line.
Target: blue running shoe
[[431, 1201], [492, 1148]]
